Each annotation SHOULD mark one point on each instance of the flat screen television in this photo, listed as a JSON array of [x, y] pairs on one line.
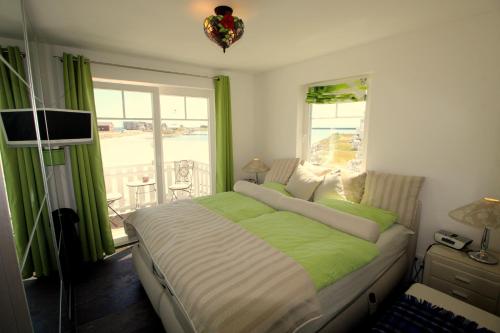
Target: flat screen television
[[58, 127]]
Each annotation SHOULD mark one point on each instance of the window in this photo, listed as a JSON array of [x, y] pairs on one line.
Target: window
[[143, 131], [336, 125], [125, 124]]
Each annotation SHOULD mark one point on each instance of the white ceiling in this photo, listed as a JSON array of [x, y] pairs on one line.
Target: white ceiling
[[10, 19], [278, 32]]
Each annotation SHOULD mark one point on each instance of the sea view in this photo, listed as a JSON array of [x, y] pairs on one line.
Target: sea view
[[138, 148], [318, 134]]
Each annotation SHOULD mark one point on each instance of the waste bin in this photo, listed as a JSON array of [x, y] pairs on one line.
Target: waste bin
[[66, 228]]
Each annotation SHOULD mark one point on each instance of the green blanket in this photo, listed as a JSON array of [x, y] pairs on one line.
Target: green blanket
[[325, 253], [234, 206]]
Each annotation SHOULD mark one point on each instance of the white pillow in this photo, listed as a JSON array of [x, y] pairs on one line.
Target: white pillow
[[318, 170], [303, 183], [330, 188], [351, 224]]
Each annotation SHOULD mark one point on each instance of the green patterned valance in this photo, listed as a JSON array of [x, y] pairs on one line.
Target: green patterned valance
[[350, 91]]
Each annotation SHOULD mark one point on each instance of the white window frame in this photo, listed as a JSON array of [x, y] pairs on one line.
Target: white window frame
[[307, 119], [156, 91], [196, 92]]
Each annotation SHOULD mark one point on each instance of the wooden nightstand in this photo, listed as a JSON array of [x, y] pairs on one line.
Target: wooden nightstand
[[455, 274]]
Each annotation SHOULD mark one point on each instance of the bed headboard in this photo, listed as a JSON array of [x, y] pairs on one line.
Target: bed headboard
[[415, 222]]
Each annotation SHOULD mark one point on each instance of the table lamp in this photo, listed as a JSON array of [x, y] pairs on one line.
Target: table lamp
[[482, 213], [255, 166]]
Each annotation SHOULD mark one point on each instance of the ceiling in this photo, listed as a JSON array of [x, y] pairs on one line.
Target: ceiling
[[10, 19], [277, 32]]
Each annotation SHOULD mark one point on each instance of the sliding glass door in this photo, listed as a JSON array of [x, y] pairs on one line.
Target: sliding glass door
[[185, 127], [145, 133], [125, 124]]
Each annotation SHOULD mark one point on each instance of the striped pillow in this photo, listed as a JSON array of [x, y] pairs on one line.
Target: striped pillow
[[281, 170], [393, 192]]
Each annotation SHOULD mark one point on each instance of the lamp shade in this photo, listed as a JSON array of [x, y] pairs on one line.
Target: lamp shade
[[223, 28], [482, 213], [255, 166]]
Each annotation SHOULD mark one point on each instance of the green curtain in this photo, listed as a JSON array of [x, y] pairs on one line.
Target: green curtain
[[23, 178], [349, 91], [86, 165], [224, 175]]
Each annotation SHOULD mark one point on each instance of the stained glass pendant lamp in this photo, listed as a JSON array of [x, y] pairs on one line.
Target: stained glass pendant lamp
[[223, 28]]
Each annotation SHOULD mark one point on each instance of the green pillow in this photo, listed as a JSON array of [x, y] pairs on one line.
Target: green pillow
[[277, 187], [383, 218]]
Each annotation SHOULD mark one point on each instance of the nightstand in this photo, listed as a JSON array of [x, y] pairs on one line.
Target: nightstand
[[454, 273]]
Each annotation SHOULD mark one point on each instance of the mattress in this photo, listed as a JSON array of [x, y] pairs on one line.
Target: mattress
[[392, 244]]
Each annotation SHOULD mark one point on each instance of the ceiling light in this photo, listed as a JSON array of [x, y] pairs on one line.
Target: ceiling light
[[223, 28]]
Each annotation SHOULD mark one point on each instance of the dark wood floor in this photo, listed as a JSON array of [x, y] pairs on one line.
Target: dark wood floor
[[109, 298]]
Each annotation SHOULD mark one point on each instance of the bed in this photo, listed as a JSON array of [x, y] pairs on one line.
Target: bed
[[312, 300]]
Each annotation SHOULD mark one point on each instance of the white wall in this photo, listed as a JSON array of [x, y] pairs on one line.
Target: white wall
[[243, 116], [434, 112]]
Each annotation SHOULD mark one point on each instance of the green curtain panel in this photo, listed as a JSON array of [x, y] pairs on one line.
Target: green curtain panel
[[224, 174], [86, 165], [23, 178], [349, 91]]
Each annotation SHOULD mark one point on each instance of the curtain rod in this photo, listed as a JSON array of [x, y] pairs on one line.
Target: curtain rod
[[146, 69], [5, 50]]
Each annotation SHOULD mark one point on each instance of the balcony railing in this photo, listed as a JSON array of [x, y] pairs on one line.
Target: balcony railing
[[117, 178]]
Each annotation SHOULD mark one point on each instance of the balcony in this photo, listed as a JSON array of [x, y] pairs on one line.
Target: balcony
[[117, 178]]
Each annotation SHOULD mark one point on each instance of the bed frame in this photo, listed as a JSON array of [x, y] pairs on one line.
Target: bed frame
[[175, 321]]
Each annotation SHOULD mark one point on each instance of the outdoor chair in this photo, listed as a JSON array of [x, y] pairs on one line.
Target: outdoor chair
[[183, 178]]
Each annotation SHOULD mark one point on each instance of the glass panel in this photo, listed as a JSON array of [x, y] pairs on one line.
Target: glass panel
[[43, 301], [35, 223], [187, 140], [11, 28], [11, 25], [127, 148], [172, 107], [337, 134], [108, 103], [323, 111], [126, 142], [35, 229], [35, 64], [197, 107], [138, 104], [356, 109], [43, 294]]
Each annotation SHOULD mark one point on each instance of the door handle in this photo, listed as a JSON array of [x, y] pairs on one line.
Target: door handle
[[462, 279], [459, 294]]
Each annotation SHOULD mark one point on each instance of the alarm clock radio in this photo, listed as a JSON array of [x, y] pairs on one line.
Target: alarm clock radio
[[451, 239]]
